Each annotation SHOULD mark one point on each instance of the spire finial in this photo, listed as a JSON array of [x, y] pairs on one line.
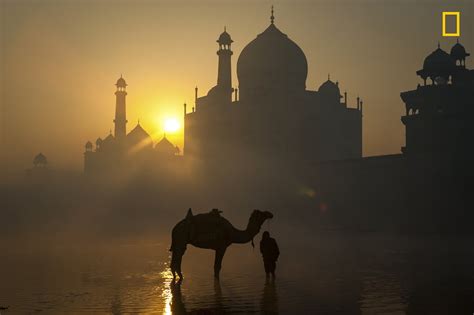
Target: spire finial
[[438, 44], [457, 40], [329, 77], [272, 17], [225, 28]]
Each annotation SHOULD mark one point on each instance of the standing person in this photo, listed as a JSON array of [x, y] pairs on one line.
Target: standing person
[[270, 253]]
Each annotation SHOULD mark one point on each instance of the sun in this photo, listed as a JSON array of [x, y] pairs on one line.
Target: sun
[[171, 125]]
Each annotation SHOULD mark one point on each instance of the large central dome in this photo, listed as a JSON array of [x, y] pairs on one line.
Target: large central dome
[[271, 61]]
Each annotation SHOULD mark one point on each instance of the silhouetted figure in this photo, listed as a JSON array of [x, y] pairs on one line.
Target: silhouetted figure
[[270, 252]]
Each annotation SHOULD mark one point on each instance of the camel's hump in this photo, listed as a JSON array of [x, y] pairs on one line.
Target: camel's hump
[[209, 218]]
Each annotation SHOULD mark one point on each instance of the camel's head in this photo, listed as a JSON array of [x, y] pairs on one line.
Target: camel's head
[[261, 216]]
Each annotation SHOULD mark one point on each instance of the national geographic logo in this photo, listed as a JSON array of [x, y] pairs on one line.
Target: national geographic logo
[[451, 24]]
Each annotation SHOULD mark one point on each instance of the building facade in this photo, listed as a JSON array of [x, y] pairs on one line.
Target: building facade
[[271, 114], [439, 112], [426, 186]]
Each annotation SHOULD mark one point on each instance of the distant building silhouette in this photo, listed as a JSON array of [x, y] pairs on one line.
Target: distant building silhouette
[[40, 161], [424, 188], [439, 113], [121, 150], [40, 168], [272, 114]]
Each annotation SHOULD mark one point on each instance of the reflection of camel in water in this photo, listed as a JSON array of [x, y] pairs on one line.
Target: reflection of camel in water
[[211, 231], [178, 306]]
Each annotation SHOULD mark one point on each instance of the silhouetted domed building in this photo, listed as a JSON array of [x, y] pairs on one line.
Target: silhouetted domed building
[[272, 115], [272, 63], [459, 54], [424, 188], [224, 38], [139, 139], [439, 113], [329, 92], [165, 148], [438, 64], [122, 151], [40, 160], [40, 170]]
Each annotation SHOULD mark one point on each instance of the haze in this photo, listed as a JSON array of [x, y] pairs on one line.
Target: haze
[[60, 60]]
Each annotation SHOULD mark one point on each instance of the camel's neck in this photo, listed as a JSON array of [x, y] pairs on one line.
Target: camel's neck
[[245, 236]]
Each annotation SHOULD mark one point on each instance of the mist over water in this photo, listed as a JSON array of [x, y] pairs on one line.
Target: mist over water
[[74, 244], [90, 232]]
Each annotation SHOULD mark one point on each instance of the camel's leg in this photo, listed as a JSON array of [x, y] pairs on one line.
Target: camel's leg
[[218, 261], [176, 258]]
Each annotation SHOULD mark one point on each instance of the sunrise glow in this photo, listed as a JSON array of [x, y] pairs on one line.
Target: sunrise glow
[[171, 125]]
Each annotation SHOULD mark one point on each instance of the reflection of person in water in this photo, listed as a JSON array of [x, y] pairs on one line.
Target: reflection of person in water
[[270, 253], [269, 300]]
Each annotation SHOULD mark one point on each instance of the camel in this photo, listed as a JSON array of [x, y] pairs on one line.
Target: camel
[[211, 231]]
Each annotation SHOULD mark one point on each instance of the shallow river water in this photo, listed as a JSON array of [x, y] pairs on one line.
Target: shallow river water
[[333, 274]]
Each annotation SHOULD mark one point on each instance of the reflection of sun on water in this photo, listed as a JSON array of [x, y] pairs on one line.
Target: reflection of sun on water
[[166, 294]]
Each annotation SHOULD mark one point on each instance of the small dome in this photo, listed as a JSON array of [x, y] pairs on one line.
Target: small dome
[[458, 52], [225, 39], [138, 136], [164, 146], [217, 91], [107, 143], [40, 159], [109, 138], [438, 62], [121, 82], [88, 145], [330, 89], [98, 141]]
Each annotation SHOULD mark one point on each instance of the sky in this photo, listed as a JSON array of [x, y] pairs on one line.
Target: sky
[[59, 61]]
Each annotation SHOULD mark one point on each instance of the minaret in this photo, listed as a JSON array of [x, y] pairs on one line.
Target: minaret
[[184, 124], [224, 74], [120, 120], [272, 17]]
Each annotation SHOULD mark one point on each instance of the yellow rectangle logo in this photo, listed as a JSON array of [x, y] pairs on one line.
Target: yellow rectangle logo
[[458, 24]]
